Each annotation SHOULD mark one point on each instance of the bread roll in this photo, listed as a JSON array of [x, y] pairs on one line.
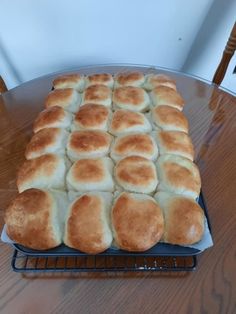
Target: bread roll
[[54, 117], [46, 172], [101, 78], [184, 219], [91, 117], [97, 94], [163, 95], [91, 175], [135, 79], [88, 144], [169, 119], [88, 223], [178, 175], [155, 80], [67, 98], [125, 122], [35, 218], [137, 222], [136, 174], [131, 98], [51, 140], [138, 144], [174, 142], [74, 80]]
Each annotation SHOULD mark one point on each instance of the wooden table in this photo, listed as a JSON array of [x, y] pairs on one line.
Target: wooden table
[[210, 289]]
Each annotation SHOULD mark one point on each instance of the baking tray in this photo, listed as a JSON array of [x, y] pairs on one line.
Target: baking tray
[[160, 249]]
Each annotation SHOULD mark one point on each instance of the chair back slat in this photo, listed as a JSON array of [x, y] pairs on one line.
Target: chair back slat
[[226, 57]]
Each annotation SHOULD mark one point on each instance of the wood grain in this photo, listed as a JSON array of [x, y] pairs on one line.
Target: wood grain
[[210, 289]]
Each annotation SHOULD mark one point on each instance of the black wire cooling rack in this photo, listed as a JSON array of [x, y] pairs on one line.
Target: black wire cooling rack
[[99, 263]]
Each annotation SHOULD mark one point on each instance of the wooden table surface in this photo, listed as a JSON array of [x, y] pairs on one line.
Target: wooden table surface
[[211, 288]]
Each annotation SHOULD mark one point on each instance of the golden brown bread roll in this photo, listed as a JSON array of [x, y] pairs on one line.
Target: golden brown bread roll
[[73, 80], [101, 78], [137, 222], [49, 140], [155, 80], [87, 225], [135, 79], [131, 98], [169, 119], [97, 94], [46, 172], [178, 175], [184, 219], [163, 95], [35, 218], [136, 174], [91, 175], [91, 117], [175, 143], [88, 144], [138, 144], [126, 121], [67, 98], [53, 117]]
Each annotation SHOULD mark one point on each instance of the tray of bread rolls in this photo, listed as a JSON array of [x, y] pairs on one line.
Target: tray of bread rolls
[[110, 170]]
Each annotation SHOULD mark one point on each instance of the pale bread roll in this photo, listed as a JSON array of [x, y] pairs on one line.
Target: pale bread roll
[[50, 140], [178, 175], [126, 121], [169, 119], [138, 144], [184, 219], [163, 95], [91, 117], [73, 80], [97, 94], [137, 222], [88, 223], [101, 78], [88, 144], [136, 174], [91, 175], [131, 98], [135, 79], [67, 98], [155, 80], [44, 172], [35, 218], [174, 142], [53, 117]]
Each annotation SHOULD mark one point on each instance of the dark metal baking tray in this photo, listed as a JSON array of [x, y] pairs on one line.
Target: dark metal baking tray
[[160, 249]]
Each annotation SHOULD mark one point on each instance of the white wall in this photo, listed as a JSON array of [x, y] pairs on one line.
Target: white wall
[[210, 42], [39, 37]]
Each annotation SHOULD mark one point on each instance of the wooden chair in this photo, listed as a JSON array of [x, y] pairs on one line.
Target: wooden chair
[[226, 57], [218, 118]]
